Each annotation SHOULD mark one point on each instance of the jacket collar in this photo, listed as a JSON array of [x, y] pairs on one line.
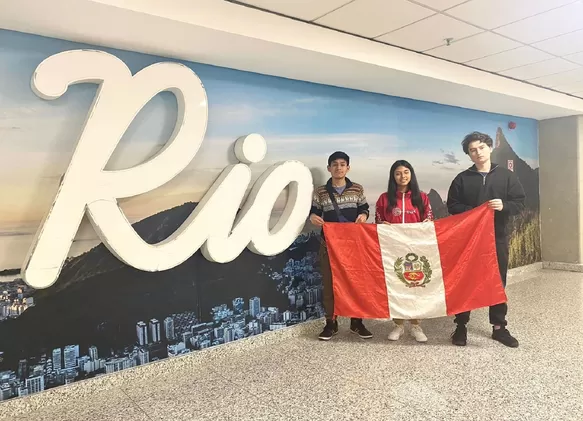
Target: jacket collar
[[474, 169], [329, 186], [407, 194]]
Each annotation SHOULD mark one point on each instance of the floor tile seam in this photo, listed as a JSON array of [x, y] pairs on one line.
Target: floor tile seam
[[272, 401], [131, 399]]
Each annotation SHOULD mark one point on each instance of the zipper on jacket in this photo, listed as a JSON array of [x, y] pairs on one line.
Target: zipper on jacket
[[484, 176], [403, 208]]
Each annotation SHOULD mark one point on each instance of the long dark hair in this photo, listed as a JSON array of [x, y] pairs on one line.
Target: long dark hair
[[413, 187]]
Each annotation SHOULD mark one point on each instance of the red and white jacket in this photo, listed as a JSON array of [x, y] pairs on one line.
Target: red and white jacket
[[404, 212]]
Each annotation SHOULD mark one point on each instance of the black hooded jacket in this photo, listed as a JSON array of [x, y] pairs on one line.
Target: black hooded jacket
[[471, 189]]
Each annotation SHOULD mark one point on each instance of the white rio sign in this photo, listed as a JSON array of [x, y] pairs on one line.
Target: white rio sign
[[86, 187]]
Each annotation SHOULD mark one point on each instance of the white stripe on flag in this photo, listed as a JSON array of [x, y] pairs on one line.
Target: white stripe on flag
[[397, 242]]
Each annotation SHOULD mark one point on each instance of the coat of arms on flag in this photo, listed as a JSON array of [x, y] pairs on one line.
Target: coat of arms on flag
[[415, 271]]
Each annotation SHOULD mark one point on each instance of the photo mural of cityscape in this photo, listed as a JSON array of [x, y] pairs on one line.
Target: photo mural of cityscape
[[102, 316]]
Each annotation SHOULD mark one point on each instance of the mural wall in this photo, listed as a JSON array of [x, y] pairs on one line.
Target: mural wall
[[102, 316]]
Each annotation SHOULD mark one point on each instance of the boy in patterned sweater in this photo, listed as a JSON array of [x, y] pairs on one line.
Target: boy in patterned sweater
[[339, 200]]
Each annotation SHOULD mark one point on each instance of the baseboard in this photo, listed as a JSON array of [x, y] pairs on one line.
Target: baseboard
[[523, 273], [567, 267], [535, 267]]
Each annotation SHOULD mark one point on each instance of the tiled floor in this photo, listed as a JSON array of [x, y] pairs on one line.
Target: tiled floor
[[301, 378]]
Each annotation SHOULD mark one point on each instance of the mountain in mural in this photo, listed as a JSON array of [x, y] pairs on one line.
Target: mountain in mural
[[97, 299], [524, 228], [438, 205], [505, 156]]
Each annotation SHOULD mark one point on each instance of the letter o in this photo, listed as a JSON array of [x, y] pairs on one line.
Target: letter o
[[293, 218]]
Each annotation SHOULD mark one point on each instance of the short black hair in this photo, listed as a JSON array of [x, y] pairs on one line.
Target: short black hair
[[338, 155], [476, 137]]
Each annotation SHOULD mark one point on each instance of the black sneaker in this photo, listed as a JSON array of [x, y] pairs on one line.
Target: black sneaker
[[460, 335], [330, 330], [504, 337], [356, 326]]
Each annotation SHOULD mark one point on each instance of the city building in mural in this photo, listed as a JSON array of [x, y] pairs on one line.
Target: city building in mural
[[102, 316]]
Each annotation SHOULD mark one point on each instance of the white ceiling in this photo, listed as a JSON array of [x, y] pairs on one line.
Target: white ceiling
[[538, 41]]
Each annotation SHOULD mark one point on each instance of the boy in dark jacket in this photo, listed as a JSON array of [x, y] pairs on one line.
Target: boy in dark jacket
[[500, 188], [339, 200]]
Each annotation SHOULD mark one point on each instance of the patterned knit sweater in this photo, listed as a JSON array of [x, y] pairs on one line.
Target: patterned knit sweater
[[351, 202]]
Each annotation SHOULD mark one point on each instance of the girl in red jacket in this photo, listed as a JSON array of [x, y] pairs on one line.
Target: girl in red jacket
[[403, 203]]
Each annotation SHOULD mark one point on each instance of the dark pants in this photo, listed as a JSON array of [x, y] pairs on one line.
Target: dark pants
[[328, 292], [497, 312]]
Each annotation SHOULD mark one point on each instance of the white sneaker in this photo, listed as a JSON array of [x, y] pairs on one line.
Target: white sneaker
[[396, 333], [418, 334]]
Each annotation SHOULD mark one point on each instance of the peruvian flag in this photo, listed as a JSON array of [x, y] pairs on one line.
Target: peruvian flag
[[415, 271]]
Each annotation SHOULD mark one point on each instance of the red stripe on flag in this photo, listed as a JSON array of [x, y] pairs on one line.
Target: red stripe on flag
[[467, 249], [360, 289]]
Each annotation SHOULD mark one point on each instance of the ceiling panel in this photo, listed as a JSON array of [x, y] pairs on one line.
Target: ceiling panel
[[509, 59], [439, 4], [564, 44], [301, 9], [539, 41], [577, 58], [472, 48], [548, 67], [546, 25], [570, 88], [429, 33], [491, 14], [373, 18], [557, 79]]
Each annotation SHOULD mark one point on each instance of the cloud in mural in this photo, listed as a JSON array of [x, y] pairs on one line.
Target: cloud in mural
[[449, 158], [256, 112], [357, 143]]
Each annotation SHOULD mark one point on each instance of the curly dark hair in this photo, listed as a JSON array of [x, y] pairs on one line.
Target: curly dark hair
[[476, 136]]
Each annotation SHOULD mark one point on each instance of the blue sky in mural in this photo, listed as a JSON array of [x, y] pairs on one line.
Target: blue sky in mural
[[273, 106], [299, 120]]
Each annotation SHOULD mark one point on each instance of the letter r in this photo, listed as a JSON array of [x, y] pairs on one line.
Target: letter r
[[86, 185]]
